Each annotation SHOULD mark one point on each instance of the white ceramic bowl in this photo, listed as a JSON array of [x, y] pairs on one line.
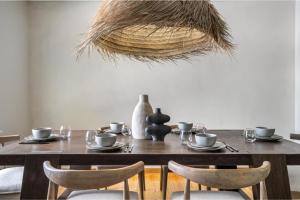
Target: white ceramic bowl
[[185, 126], [205, 140], [116, 127], [41, 133], [264, 131], [106, 139]]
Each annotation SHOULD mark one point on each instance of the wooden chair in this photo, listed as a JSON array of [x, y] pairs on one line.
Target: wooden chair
[[295, 137], [10, 178], [143, 181], [87, 182], [164, 171], [220, 178]]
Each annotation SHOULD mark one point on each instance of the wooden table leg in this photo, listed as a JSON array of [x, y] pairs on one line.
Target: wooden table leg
[[35, 183], [165, 172], [277, 183]]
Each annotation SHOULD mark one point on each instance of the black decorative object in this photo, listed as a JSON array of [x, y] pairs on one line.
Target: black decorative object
[[157, 129]]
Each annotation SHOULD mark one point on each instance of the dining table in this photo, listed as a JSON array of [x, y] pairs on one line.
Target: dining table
[[73, 151]]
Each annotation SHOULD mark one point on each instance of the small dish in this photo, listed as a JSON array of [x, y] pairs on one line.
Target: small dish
[[272, 138], [116, 127], [264, 132], [52, 137], [39, 133], [205, 140], [106, 139], [96, 147], [185, 126], [216, 147]]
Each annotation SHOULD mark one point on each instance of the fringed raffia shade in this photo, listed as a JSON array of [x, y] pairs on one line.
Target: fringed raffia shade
[[157, 29]]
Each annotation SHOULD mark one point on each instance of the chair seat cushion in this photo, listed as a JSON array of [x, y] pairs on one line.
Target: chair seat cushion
[[100, 194], [209, 195], [15, 196], [11, 180]]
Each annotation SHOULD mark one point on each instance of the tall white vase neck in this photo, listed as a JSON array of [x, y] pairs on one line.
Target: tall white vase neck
[[141, 111], [144, 98]]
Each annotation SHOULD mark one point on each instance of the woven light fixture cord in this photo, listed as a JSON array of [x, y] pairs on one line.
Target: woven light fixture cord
[[157, 30]]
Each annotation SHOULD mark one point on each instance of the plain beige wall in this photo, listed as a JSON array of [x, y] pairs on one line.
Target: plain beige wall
[[297, 65], [14, 105], [254, 87]]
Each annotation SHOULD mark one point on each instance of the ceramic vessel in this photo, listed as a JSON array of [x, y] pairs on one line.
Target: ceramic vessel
[[40, 133], [141, 111], [205, 140], [157, 129], [264, 131], [116, 127], [106, 139], [185, 126]]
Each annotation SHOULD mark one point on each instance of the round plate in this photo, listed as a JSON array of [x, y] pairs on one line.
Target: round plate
[[272, 138], [96, 147], [52, 137], [216, 147], [111, 131]]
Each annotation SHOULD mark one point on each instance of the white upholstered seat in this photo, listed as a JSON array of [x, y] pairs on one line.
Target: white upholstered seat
[[15, 196], [209, 195], [100, 194], [11, 180]]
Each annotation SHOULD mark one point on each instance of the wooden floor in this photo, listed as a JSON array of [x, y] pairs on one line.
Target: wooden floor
[[175, 183]]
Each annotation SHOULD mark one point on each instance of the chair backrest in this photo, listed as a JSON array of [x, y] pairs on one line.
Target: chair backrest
[[223, 178], [90, 179], [8, 138]]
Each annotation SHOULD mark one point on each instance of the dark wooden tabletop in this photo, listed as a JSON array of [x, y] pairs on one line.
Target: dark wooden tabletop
[[74, 152], [171, 148]]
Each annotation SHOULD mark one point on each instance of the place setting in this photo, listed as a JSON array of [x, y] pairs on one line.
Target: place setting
[[41, 136], [116, 128], [105, 138], [262, 134], [198, 139]]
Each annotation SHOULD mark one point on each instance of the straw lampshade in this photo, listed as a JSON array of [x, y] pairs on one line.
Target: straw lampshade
[[157, 29]]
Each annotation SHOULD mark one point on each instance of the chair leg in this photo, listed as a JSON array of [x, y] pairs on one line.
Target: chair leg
[[199, 187], [141, 185], [144, 180], [164, 181], [161, 178]]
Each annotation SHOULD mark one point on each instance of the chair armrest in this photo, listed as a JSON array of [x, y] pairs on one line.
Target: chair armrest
[[295, 136]]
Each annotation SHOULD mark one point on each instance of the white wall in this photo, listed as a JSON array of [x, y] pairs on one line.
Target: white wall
[[14, 105], [294, 171], [254, 87], [297, 65]]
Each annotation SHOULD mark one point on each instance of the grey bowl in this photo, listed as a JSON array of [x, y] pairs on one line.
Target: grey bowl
[[185, 126], [116, 127], [40, 133], [106, 139], [264, 131], [205, 140]]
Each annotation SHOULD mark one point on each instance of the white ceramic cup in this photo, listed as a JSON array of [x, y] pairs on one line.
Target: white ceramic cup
[[185, 126], [106, 139], [41, 133], [116, 127], [205, 140]]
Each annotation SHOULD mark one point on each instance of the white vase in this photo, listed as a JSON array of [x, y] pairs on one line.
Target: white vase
[[140, 113]]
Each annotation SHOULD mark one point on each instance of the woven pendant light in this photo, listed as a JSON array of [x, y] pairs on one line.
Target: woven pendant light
[[157, 30]]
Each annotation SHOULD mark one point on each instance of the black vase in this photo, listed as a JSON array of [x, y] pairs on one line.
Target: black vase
[[157, 129]]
